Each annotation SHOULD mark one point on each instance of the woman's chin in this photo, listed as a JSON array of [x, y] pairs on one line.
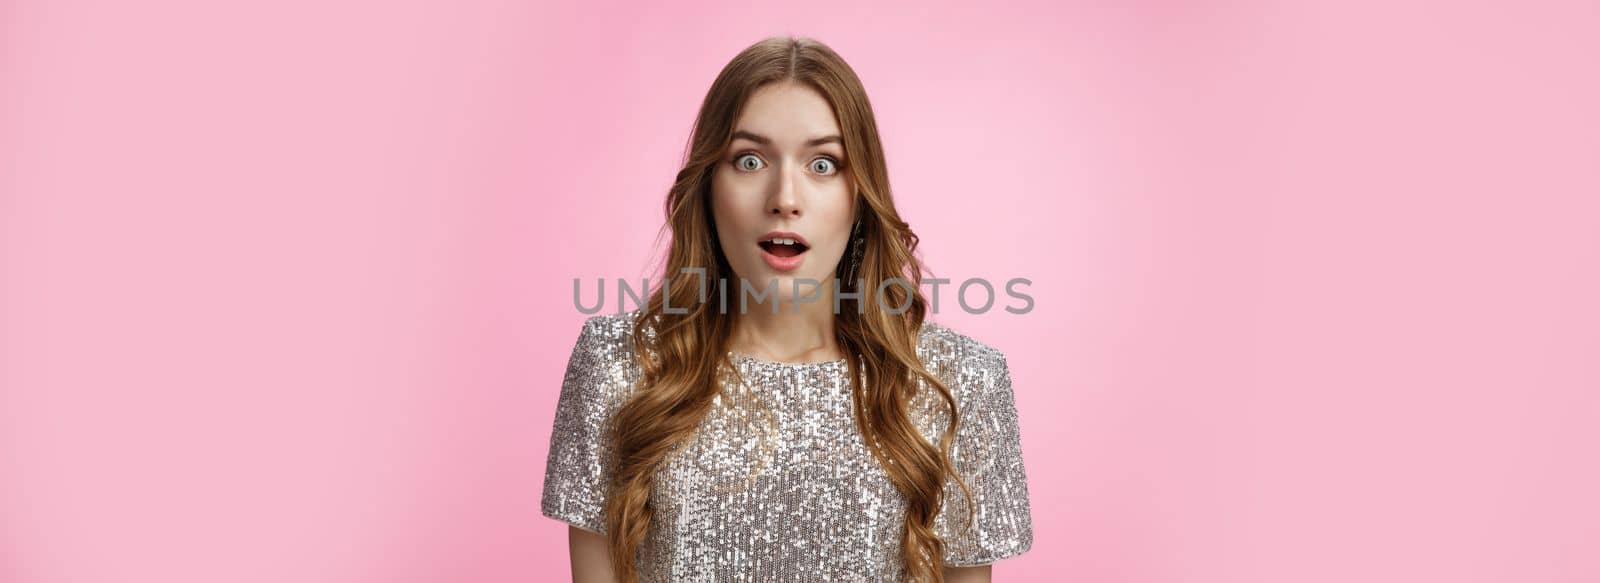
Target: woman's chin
[[784, 289]]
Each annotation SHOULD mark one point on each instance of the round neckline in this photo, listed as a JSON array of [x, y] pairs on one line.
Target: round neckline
[[746, 358]]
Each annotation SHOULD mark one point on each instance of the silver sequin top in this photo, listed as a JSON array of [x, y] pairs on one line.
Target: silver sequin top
[[777, 484]]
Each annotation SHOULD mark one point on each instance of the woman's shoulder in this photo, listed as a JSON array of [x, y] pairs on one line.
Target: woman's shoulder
[[611, 326], [612, 333], [606, 344], [960, 358], [946, 344], [603, 356]]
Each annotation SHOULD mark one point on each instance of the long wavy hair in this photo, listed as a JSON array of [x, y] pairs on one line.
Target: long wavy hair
[[682, 354]]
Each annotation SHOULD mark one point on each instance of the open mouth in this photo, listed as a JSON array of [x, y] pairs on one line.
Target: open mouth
[[784, 247]]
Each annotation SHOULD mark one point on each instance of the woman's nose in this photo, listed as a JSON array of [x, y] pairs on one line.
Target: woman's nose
[[786, 196]]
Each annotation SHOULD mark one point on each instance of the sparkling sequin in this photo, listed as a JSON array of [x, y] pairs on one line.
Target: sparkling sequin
[[777, 484]]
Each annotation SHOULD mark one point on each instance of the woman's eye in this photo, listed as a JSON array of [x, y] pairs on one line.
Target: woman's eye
[[824, 166], [747, 162]]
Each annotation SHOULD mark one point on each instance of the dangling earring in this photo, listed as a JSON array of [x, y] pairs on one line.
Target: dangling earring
[[855, 256]]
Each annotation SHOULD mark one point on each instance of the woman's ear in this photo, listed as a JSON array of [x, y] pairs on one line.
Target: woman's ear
[[856, 212]]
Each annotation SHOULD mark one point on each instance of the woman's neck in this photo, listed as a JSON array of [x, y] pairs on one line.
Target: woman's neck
[[797, 333]]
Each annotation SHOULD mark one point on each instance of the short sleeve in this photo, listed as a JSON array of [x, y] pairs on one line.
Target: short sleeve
[[987, 454], [578, 469]]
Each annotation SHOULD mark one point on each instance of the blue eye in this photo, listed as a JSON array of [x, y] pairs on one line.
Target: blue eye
[[824, 166], [748, 162]]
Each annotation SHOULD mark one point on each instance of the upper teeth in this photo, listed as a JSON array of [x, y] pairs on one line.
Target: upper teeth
[[783, 241]]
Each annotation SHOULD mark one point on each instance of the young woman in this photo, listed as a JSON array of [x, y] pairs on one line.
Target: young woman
[[825, 432]]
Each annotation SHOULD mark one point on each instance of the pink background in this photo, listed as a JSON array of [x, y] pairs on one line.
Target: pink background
[[287, 285]]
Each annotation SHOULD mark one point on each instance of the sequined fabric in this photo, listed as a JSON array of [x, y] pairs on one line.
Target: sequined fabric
[[776, 484]]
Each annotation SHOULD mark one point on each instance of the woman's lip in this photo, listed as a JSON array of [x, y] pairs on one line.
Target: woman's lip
[[781, 263], [785, 235]]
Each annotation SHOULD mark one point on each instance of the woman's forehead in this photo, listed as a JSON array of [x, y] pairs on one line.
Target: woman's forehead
[[788, 115]]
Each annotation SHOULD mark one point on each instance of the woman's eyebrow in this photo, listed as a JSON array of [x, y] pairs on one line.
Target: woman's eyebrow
[[766, 141]]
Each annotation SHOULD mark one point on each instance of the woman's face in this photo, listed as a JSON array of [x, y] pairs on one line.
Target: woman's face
[[784, 172]]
